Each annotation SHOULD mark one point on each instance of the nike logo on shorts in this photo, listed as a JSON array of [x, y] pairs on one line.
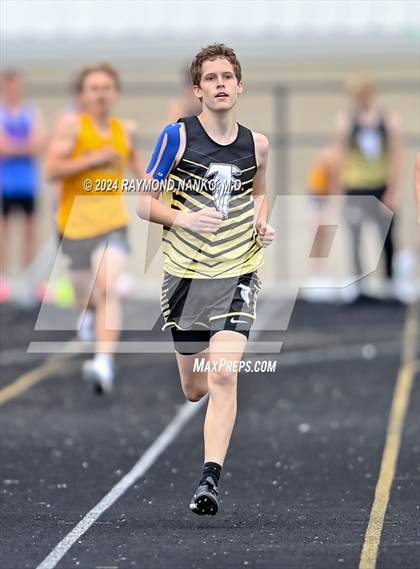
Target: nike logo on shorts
[[233, 321]]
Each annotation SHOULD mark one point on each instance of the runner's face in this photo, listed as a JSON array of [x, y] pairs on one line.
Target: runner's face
[[12, 90], [364, 97], [99, 93], [219, 87]]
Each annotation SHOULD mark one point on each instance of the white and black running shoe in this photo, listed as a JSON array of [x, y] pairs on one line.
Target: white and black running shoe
[[205, 500]]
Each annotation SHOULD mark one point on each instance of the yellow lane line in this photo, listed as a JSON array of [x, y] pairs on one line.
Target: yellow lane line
[[400, 401], [34, 376]]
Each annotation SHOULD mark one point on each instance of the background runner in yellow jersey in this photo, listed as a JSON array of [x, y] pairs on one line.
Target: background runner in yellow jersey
[[88, 155]]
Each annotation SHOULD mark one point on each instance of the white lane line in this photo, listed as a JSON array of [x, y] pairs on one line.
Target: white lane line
[[187, 411], [168, 435]]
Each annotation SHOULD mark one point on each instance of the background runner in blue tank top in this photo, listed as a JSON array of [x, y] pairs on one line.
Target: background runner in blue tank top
[[21, 142]]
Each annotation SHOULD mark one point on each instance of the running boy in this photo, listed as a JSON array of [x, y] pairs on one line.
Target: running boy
[[214, 227]]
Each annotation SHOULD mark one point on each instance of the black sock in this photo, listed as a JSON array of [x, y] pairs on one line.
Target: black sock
[[211, 469]]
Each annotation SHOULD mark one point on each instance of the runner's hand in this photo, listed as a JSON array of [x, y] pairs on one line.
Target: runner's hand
[[103, 157], [207, 220], [266, 233]]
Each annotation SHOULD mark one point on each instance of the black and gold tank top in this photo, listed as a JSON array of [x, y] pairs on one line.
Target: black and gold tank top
[[367, 161], [220, 176]]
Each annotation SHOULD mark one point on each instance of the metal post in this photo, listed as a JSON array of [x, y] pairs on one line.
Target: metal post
[[281, 173]]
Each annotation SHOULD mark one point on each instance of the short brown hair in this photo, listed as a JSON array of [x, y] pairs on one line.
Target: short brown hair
[[210, 53], [357, 84], [100, 67]]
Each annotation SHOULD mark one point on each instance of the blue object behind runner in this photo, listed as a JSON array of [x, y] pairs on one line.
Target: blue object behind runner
[[18, 174], [172, 134]]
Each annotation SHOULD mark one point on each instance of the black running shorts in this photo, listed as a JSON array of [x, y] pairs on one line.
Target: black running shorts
[[195, 309], [26, 204]]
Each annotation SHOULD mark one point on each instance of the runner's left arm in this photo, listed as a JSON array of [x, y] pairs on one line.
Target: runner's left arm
[[266, 233]]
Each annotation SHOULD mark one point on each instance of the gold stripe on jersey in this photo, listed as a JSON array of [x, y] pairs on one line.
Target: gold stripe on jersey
[[196, 270], [234, 249], [205, 167], [178, 327], [191, 200], [248, 169], [191, 175], [193, 247], [211, 238], [206, 254], [235, 238], [195, 163], [200, 200], [178, 253], [181, 181], [242, 194], [197, 177], [249, 202], [186, 202]]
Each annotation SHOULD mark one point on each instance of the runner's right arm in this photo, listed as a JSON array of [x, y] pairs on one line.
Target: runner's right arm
[[167, 153], [59, 162]]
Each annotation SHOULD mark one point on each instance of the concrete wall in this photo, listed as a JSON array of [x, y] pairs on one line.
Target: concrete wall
[[315, 96]]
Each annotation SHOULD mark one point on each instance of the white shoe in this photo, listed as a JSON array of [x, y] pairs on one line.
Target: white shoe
[[100, 375], [86, 326]]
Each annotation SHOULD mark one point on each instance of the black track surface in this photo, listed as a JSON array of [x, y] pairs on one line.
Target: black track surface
[[298, 483]]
